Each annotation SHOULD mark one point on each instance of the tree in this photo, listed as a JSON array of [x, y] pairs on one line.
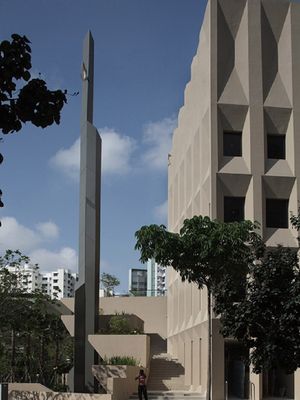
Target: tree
[[33, 102], [267, 319], [205, 252], [109, 283], [39, 328]]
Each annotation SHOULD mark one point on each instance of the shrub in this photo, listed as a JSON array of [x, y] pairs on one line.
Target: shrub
[[119, 325], [119, 360]]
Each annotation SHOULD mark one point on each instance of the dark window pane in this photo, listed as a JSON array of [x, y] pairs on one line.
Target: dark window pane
[[232, 144], [277, 213], [276, 146], [234, 209]]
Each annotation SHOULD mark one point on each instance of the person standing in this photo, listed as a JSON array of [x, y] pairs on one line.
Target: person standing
[[142, 388]]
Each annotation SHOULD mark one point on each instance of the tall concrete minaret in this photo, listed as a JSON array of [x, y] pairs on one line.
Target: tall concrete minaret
[[87, 290]]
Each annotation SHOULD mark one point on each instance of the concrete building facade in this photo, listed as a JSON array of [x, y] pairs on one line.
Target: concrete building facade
[[137, 283], [56, 284], [59, 284], [156, 279], [233, 157]]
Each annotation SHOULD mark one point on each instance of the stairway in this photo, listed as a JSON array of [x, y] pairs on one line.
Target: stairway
[[166, 373], [169, 395]]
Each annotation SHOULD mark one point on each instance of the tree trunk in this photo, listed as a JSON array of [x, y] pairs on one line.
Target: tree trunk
[[28, 353], [13, 354], [208, 391]]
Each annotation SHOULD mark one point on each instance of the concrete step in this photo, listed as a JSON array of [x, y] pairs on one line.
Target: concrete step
[[170, 395]]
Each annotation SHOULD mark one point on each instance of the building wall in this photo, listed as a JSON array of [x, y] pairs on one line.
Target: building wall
[[244, 77], [138, 281], [156, 279], [146, 308]]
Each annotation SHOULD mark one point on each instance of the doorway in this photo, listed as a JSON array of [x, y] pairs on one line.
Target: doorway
[[236, 370]]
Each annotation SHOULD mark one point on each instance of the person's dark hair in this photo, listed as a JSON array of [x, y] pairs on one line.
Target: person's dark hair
[[142, 372]]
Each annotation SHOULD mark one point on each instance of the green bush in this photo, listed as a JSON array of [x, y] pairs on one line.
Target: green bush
[[119, 360], [119, 325]]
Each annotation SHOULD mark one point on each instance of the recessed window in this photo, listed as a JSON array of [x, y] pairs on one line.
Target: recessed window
[[277, 215], [234, 209], [232, 144], [276, 146]]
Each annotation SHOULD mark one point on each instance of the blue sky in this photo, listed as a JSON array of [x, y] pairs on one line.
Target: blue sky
[[143, 53]]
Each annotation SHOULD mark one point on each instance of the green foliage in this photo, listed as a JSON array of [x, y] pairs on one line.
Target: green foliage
[[120, 360], [34, 342], [267, 317], [34, 102], [119, 325], [204, 251], [207, 253], [109, 282]]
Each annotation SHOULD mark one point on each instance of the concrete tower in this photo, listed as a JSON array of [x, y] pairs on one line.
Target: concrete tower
[[87, 290]]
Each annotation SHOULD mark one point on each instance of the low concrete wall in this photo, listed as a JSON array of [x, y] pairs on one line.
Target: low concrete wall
[[122, 388], [115, 377], [28, 387], [137, 346], [37, 395], [152, 310], [134, 322]]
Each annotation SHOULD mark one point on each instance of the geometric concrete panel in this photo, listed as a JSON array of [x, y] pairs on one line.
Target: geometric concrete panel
[[273, 237], [232, 12], [233, 165], [234, 184], [277, 187], [242, 52], [269, 54], [278, 168], [232, 116], [225, 51], [277, 96], [276, 12], [284, 54], [233, 92], [277, 119]]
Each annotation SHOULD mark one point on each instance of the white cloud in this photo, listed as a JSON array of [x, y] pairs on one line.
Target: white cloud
[[158, 137], [48, 229], [117, 150], [116, 153], [67, 160], [161, 212], [14, 235], [51, 260]]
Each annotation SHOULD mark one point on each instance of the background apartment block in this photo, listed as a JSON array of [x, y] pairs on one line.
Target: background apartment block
[[56, 284], [235, 155], [30, 276], [156, 279], [59, 284], [137, 281]]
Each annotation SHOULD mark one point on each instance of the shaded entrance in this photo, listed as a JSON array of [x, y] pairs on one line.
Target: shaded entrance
[[278, 384], [236, 370]]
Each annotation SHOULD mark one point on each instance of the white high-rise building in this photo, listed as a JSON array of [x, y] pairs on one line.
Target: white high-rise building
[[56, 284], [59, 283], [30, 277], [156, 279]]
